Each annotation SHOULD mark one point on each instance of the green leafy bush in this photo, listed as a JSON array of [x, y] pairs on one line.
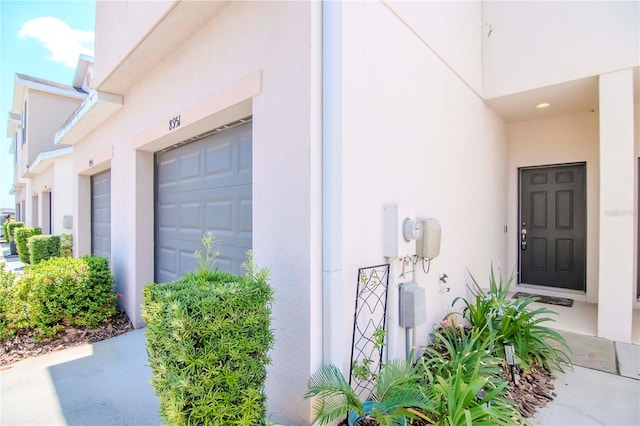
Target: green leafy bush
[[457, 366], [42, 247], [503, 319], [7, 279], [22, 235], [5, 232], [457, 403], [11, 226], [61, 291], [208, 337], [66, 245]]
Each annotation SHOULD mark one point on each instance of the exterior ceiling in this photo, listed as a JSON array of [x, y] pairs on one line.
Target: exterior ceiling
[[565, 98]]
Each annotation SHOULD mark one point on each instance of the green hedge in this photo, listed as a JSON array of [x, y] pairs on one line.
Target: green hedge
[[208, 337], [66, 245], [5, 233], [61, 291], [11, 229], [42, 247], [7, 279], [22, 235]]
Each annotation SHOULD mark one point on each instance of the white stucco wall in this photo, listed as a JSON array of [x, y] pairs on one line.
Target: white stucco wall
[[415, 134], [535, 44], [125, 22], [617, 170], [62, 197], [570, 138], [248, 45], [46, 114], [451, 29], [40, 184]]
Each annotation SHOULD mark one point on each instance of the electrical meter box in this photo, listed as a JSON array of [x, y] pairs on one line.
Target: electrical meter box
[[413, 310], [428, 246]]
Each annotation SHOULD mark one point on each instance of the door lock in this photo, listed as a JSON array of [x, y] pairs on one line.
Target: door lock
[[523, 237]]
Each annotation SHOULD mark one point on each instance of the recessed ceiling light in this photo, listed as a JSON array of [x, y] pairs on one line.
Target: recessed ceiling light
[[543, 105]]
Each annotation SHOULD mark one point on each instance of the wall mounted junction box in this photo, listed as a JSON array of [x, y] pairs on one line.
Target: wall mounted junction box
[[413, 310]]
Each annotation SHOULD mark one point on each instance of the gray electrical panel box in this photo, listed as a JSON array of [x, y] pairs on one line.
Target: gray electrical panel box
[[413, 310], [67, 222]]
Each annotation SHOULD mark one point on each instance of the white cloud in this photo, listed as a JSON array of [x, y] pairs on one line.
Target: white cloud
[[64, 43]]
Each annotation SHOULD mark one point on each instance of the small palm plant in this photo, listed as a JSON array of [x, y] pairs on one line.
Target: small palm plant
[[396, 395]]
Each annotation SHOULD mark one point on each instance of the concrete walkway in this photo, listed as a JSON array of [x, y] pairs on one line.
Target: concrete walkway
[[105, 383], [602, 389]]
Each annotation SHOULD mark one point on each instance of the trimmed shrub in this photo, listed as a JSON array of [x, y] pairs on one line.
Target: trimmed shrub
[[22, 235], [5, 233], [42, 247], [208, 337], [66, 245], [61, 291], [11, 226], [7, 279]]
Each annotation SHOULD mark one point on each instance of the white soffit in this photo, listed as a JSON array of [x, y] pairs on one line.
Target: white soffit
[[92, 112], [565, 98], [45, 159]]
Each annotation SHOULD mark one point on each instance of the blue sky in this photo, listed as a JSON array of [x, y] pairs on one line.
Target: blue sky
[[42, 39]]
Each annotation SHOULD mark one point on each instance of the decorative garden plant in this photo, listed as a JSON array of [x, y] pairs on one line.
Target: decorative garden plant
[[396, 395], [503, 319]]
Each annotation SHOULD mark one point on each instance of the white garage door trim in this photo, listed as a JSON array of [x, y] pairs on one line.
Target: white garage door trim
[[201, 186]]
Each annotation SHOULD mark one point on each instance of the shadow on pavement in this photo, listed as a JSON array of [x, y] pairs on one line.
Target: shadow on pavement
[[109, 387]]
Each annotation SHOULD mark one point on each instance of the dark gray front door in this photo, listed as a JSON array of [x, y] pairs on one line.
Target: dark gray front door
[[101, 214], [204, 186], [553, 226]]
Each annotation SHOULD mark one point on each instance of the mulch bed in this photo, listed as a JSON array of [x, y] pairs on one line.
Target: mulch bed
[[24, 346]]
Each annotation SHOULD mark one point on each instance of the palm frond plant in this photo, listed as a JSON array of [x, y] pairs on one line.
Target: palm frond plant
[[396, 396]]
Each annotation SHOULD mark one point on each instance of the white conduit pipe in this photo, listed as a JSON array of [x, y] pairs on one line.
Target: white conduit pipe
[[333, 308]]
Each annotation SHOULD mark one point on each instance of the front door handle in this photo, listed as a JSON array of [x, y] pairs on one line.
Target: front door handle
[[523, 237]]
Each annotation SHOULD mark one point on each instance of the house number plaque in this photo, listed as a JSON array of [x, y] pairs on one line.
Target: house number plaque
[[174, 123]]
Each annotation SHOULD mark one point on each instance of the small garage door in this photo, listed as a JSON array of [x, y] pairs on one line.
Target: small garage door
[[101, 214], [204, 186]]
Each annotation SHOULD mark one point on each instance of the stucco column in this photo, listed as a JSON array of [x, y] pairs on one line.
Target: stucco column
[[615, 294]]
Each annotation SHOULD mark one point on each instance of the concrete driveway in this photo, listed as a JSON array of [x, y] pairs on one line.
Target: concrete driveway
[[105, 383]]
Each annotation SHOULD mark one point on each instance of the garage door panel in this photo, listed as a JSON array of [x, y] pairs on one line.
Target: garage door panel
[[246, 217], [168, 216], [190, 168], [187, 262], [219, 217], [189, 217], [210, 189], [101, 214], [219, 161], [245, 155], [167, 171]]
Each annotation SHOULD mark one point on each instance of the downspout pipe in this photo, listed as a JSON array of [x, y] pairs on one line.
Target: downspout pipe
[[332, 306]]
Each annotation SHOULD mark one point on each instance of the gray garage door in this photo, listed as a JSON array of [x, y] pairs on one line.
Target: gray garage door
[[101, 214], [204, 186]]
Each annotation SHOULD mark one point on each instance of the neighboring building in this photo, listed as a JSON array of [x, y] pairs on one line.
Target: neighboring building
[[286, 127], [43, 171]]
